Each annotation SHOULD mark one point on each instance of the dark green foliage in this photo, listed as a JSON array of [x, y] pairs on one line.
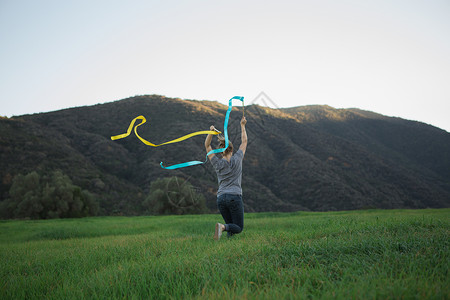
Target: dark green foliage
[[174, 195], [47, 197], [303, 158]]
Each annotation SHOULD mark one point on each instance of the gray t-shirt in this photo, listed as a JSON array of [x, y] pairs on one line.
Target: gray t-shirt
[[229, 174]]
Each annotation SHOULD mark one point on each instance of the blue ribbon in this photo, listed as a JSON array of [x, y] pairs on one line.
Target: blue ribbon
[[225, 126]]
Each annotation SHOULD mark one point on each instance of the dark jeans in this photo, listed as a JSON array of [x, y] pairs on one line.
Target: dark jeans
[[232, 209]]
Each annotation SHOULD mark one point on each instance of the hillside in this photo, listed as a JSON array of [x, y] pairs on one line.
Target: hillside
[[302, 158]]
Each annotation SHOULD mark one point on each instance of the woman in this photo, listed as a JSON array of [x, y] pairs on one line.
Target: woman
[[229, 174]]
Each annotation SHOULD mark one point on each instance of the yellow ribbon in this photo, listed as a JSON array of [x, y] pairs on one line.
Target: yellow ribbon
[[185, 137]]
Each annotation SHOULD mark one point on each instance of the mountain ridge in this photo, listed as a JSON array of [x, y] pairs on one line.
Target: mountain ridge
[[300, 158]]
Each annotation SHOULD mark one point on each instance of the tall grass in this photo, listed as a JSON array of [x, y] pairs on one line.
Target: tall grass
[[358, 254]]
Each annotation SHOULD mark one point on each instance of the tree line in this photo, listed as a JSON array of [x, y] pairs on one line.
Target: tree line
[[37, 196]]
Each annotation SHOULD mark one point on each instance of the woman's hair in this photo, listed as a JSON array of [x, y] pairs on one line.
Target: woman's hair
[[222, 145]]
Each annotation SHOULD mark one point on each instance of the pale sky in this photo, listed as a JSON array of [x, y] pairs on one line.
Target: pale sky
[[391, 57]]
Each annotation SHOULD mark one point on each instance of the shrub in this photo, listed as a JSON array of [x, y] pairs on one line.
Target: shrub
[[174, 195], [46, 197]]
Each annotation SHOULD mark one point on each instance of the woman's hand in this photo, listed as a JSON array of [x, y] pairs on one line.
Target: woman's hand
[[243, 121], [212, 128]]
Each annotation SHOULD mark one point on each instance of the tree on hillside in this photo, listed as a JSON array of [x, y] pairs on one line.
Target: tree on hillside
[[46, 197], [174, 195], [25, 194]]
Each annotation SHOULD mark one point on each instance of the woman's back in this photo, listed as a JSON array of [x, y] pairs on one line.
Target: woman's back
[[229, 173]]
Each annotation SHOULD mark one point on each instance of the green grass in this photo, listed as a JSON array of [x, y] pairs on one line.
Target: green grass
[[374, 254]]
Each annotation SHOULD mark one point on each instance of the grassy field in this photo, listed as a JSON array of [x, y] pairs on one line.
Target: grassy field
[[375, 254]]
